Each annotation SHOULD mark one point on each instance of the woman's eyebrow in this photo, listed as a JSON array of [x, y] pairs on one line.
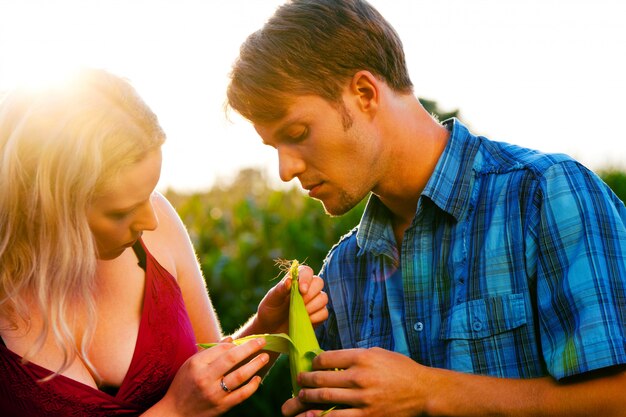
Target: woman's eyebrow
[[131, 207]]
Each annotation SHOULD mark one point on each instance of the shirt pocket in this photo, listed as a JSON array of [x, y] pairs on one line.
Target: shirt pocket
[[478, 334], [485, 317], [383, 340]]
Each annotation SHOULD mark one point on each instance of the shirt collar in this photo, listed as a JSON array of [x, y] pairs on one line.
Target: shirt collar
[[375, 233], [448, 187], [450, 184]]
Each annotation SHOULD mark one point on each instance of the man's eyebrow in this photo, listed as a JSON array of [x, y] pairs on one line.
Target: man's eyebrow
[[281, 131]]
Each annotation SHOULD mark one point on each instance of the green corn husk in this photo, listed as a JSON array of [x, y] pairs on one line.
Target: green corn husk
[[300, 344], [305, 344], [276, 342]]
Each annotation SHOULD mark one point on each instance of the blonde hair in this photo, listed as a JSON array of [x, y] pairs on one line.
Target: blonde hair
[[59, 148]]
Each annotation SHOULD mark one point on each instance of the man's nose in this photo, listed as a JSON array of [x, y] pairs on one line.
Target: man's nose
[[290, 163]]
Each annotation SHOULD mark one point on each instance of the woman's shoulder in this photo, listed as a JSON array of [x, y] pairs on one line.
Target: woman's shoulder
[[169, 242]]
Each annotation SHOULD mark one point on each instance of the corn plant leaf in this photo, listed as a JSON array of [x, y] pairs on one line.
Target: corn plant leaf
[[278, 342], [300, 344]]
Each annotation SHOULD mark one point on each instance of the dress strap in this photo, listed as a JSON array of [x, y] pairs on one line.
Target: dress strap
[[141, 254]]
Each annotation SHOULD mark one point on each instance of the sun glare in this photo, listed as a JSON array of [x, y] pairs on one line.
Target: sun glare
[[33, 78], [45, 49], [178, 55]]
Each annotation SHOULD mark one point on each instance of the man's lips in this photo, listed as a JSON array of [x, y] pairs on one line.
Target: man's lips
[[313, 189]]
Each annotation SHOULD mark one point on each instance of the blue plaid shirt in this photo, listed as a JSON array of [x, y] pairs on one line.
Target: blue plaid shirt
[[514, 266]]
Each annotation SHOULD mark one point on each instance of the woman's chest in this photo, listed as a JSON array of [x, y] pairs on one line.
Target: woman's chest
[[119, 297]]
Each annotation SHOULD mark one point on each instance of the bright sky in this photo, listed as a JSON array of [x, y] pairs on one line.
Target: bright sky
[[546, 74]]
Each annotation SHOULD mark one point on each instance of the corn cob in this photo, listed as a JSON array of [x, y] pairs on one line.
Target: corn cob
[[300, 344], [305, 344]]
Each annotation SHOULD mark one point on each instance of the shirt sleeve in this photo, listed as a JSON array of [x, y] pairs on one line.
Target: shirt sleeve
[[581, 271]]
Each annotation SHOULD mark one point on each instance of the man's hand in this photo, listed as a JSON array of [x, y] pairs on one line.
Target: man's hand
[[377, 382], [372, 382]]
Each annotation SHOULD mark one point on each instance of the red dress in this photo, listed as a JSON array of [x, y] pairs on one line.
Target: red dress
[[165, 340]]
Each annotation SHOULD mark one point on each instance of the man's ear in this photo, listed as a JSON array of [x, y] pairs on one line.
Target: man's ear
[[365, 88]]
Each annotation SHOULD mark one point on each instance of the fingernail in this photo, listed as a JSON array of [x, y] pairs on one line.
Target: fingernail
[[260, 341]]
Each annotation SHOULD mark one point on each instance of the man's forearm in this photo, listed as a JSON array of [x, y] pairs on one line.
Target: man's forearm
[[472, 395]]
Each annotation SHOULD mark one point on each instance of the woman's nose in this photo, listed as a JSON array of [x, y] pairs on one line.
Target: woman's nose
[[147, 218]]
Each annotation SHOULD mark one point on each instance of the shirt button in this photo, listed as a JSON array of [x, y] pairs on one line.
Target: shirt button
[[419, 326], [477, 326]]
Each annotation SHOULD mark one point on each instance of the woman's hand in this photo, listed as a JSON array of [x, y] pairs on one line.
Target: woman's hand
[[214, 380], [273, 311]]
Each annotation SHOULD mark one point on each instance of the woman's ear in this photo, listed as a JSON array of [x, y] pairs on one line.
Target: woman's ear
[[365, 88]]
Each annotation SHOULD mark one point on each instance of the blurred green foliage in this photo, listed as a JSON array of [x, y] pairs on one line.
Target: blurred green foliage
[[241, 229], [615, 179]]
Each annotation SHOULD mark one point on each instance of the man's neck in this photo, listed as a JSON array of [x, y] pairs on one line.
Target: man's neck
[[416, 144]]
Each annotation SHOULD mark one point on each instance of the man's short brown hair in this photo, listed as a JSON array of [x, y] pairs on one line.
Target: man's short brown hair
[[313, 47]]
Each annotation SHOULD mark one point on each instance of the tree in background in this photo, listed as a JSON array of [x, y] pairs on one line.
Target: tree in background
[[616, 180], [432, 107]]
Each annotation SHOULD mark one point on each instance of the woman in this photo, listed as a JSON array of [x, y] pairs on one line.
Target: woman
[[102, 300]]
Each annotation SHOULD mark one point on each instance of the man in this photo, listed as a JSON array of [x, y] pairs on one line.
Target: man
[[483, 278]]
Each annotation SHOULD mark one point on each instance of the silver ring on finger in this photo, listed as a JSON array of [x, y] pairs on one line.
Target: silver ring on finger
[[224, 386]]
